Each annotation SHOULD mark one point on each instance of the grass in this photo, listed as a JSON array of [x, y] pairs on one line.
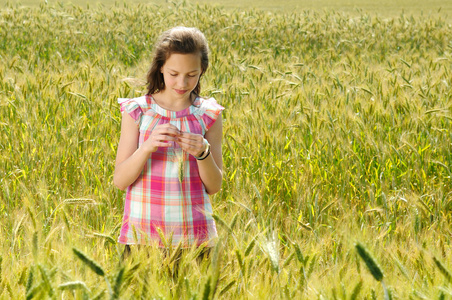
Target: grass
[[337, 132], [384, 9]]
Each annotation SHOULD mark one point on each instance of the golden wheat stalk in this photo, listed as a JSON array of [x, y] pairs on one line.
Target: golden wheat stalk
[[74, 285]]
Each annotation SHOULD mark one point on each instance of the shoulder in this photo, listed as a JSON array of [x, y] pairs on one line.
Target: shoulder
[[139, 102], [209, 110], [209, 103], [208, 106], [135, 107]]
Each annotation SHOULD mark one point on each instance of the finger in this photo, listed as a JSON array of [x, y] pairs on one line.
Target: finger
[[163, 144], [195, 138], [167, 131], [161, 141], [163, 136], [170, 126], [190, 147], [190, 135], [196, 143], [156, 144]]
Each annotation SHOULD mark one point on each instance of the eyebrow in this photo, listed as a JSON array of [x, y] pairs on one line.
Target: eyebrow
[[171, 70]]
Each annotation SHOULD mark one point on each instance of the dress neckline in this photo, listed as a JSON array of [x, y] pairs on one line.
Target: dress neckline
[[171, 113]]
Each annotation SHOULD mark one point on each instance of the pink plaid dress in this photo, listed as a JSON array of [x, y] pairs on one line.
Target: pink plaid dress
[[169, 195]]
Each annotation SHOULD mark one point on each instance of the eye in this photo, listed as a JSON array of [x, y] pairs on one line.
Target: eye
[[193, 75], [174, 75]]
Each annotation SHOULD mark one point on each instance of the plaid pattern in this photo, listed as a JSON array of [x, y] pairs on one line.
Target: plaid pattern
[[169, 195]]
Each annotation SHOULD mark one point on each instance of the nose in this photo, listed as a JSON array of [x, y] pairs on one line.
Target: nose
[[182, 81]]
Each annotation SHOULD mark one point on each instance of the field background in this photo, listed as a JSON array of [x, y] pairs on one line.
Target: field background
[[337, 133], [384, 8]]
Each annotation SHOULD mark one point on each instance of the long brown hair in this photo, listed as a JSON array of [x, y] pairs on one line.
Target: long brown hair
[[181, 40]]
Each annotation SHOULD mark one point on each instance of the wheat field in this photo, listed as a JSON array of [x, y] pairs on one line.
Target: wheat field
[[337, 154]]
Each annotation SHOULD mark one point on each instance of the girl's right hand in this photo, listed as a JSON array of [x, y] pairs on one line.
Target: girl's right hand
[[163, 135]]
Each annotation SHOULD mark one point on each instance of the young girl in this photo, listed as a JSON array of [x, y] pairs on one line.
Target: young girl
[[169, 154]]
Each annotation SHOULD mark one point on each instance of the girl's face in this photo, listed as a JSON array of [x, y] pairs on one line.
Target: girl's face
[[181, 74]]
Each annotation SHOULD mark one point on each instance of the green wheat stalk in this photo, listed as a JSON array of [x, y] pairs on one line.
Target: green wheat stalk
[[94, 266], [29, 284], [206, 291], [118, 283], [32, 292], [227, 287], [238, 254], [443, 269], [35, 245], [298, 252], [46, 280], [250, 247], [175, 253], [162, 237], [106, 237], [356, 290], [373, 267], [288, 259], [181, 166], [220, 221], [234, 221]]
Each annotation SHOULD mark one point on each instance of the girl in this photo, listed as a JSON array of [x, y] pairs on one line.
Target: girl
[[169, 154]]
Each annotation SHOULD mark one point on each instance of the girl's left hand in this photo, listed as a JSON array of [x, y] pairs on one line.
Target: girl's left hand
[[191, 143]]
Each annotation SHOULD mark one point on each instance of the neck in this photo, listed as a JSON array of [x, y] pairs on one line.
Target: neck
[[170, 103]]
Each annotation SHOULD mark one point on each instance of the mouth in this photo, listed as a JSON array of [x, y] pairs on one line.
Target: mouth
[[180, 92]]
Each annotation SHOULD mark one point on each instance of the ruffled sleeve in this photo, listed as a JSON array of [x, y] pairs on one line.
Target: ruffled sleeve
[[132, 107], [210, 112]]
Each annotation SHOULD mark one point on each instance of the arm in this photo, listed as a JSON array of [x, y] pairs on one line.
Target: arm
[[130, 159], [210, 169]]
